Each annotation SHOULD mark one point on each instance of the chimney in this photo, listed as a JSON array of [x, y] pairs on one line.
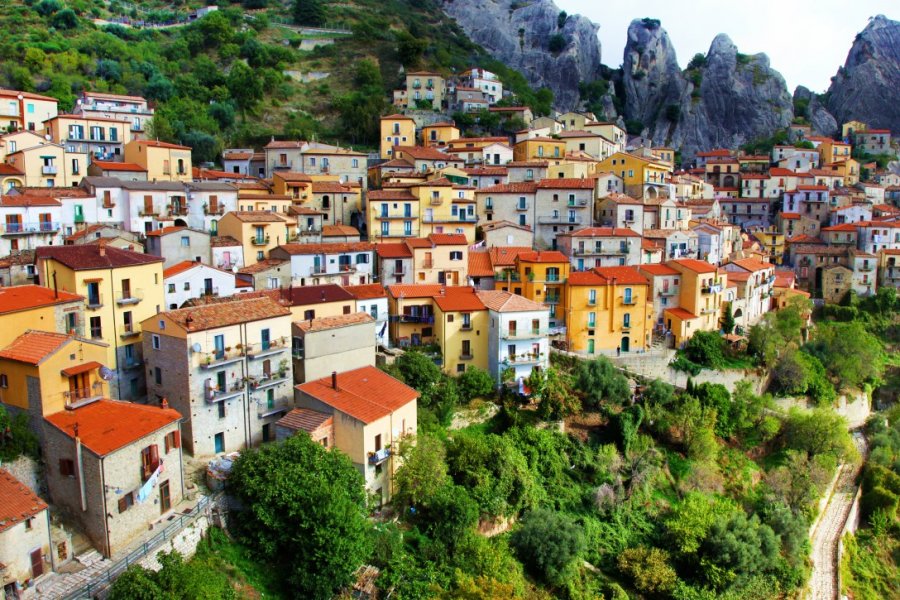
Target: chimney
[[334, 383], [164, 403], [101, 244]]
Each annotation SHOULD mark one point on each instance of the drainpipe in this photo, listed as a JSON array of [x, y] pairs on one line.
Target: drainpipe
[[106, 513], [49, 537], [80, 458], [112, 301]]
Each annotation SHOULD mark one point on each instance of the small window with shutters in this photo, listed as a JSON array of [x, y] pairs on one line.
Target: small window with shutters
[[126, 502], [149, 461], [173, 440]]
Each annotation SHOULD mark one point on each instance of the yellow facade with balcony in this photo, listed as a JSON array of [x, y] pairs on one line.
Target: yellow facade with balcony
[[539, 148], [642, 176], [258, 232], [701, 293], [541, 277], [395, 130], [392, 215], [608, 311], [445, 208], [163, 161], [461, 330]]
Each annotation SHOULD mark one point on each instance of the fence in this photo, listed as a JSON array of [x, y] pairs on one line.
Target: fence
[[106, 578]]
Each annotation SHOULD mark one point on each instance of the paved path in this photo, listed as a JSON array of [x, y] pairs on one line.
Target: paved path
[[827, 533]]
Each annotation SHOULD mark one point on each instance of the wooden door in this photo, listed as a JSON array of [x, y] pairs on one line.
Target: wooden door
[[37, 563], [165, 499]]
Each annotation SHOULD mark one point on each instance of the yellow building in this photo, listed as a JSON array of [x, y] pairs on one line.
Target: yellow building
[[65, 369], [461, 326], [441, 258], [48, 165], [643, 177], [539, 148], [848, 169], [287, 183], [41, 308], [163, 161], [541, 277], [831, 151], [439, 134], [411, 309], [851, 128], [608, 310], [100, 137], [425, 89], [445, 208], [121, 289], [24, 110], [396, 130], [258, 232], [392, 214], [772, 241], [702, 288], [278, 203]]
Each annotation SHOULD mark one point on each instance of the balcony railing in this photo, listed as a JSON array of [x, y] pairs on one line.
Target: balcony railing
[[283, 165], [177, 211], [130, 332], [94, 302], [266, 349], [524, 334], [49, 170], [216, 394], [552, 300], [399, 271], [215, 359], [318, 270], [378, 457], [268, 380], [522, 206], [711, 289], [524, 359], [78, 396], [129, 297], [709, 311], [427, 263], [512, 276], [149, 211], [282, 405], [669, 292], [866, 268], [577, 203], [259, 241], [29, 228], [214, 210], [561, 219], [629, 301], [452, 219], [425, 319], [437, 201], [394, 214], [601, 251], [465, 356]]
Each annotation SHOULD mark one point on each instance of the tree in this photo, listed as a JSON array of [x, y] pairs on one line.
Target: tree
[[697, 62], [65, 19], [557, 401], [309, 12], [305, 513], [410, 48], [599, 380], [475, 383], [728, 320], [548, 544], [819, 431], [649, 568], [448, 515], [176, 580], [706, 348], [741, 547], [16, 438], [557, 43], [422, 473], [245, 87], [692, 518], [798, 482], [418, 371], [849, 352], [136, 583], [204, 147]]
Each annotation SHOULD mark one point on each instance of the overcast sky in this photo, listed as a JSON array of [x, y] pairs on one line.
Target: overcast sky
[[806, 41]]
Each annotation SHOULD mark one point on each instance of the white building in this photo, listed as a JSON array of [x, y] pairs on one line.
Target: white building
[[489, 84], [28, 222], [315, 264], [755, 282], [517, 337], [496, 154], [188, 279], [372, 299], [601, 247], [864, 267]]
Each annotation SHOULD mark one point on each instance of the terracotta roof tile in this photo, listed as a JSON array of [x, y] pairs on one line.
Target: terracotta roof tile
[[338, 231], [304, 419], [698, 266], [111, 165], [752, 264], [223, 241], [391, 194], [366, 394], [158, 144], [179, 268], [258, 216], [332, 187], [89, 257], [23, 297], [262, 265], [622, 275], [505, 256], [17, 501], [480, 264], [105, 426], [337, 248], [22, 200], [166, 230], [458, 299], [323, 323], [367, 291], [501, 301], [413, 290], [425, 153], [518, 187], [447, 239], [543, 256], [34, 346], [684, 315], [567, 184], [391, 250], [223, 314]]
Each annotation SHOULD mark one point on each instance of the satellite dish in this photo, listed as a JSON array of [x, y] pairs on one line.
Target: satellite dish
[[106, 373], [196, 347]]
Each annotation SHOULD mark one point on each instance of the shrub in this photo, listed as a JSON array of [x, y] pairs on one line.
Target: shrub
[[548, 544], [557, 43], [706, 348], [649, 569], [475, 383]]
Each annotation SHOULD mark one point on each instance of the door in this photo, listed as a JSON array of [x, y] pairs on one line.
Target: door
[[219, 441], [208, 286], [220, 346], [625, 343], [165, 498], [37, 563]]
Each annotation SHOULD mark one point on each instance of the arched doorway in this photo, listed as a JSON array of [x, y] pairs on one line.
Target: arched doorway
[[180, 223], [651, 193], [626, 343], [728, 181]]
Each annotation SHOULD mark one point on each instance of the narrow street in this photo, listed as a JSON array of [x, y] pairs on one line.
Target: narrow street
[[824, 579]]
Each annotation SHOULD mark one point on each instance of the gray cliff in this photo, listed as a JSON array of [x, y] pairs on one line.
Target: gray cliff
[[729, 100], [821, 121], [518, 34], [867, 87]]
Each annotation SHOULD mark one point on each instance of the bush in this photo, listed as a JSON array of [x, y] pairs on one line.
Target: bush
[[548, 544], [706, 348], [599, 380], [557, 43], [649, 569], [475, 383]]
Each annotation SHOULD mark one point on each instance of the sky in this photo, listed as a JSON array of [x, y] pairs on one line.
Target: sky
[[790, 32]]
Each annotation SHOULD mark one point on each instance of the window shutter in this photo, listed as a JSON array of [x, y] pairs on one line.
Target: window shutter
[[168, 438], [176, 439], [123, 505], [154, 454]]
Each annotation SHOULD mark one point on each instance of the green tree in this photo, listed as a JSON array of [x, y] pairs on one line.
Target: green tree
[[599, 380], [418, 371], [849, 352], [556, 399], [475, 383], [649, 569], [309, 12], [819, 431], [797, 482], [741, 547], [422, 473], [557, 43], [410, 48], [16, 438], [728, 320], [548, 543], [305, 513], [176, 579], [136, 583], [691, 520], [245, 87], [65, 19], [448, 515], [706, 348]]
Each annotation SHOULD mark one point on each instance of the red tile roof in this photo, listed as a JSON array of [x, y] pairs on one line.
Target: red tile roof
[[179, 268], [105, 426], [518, 187], [24, 297], [841, 227], [336, 248], [7, 169], [480, 264], [393, 250], [622, 275], [366, 394], [391, 194], [325, 323], [505, 256], [32, 347], [110, 165], [428, 290], [305, 419], [367, 292], [698, 266], [28, 200], [659, 270], [501, 301], [681, 313], [262, 265], [752, 264], [332, 187], [424, 153], [17, 501], [447, 239], [567, 183], [258, 216], [339, 231], [224, 314], [458, 299], [166, 230], [158, 144], [543, 256], [89, 257]]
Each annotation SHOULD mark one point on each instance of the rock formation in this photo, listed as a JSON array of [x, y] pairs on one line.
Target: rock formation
[[821, 121], [520, 34], [867, 87]]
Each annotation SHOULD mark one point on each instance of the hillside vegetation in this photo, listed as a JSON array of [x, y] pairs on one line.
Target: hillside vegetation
[[237, 76]]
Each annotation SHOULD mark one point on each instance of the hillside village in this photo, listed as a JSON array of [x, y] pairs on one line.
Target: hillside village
[[158, 314]]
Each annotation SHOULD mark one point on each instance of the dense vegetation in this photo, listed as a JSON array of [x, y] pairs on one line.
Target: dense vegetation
[[234, 78]]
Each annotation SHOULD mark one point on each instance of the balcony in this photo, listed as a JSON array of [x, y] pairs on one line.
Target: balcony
[[512, 276], [270, 348], [149, 211], [380, 456], [81, 396], [524, 359], [93, 302], [29, 228], [49, 170], [525, 334], [177, 210], [260, 241], [560, 220], [130, 332], [437, 201], [866, 268], [466, 356], [231, 390], [399, 271], [214, 210], [133, 363], [395, 215], [601, 251], [629, 301], [267, 381], [428, 263], [521, 206], [709, 311], [127, 297], [466, 327], [212, 360], [551, 300], [669, 292], [574, 203], [265, 409], [285, 165], [711, 289], [318, 270], [423, 319]]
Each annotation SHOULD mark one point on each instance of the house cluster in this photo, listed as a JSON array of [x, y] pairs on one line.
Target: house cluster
[[152, 311]]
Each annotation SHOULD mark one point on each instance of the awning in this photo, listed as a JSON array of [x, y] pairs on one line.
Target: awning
[[88, 366]]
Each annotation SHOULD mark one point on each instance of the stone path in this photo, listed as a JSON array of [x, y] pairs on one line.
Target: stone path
[[57, 585], [830, 525]]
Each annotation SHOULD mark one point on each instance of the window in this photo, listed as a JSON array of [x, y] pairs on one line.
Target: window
[[592, 297], [592, 319], [96, 328], [149, 461], [126, 502], [66, 467], [155, 340], [626, 320], [171, 288], [173, 440], [4, 381], [627, 295], [157, 375], [185, 241], [456, 255]]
